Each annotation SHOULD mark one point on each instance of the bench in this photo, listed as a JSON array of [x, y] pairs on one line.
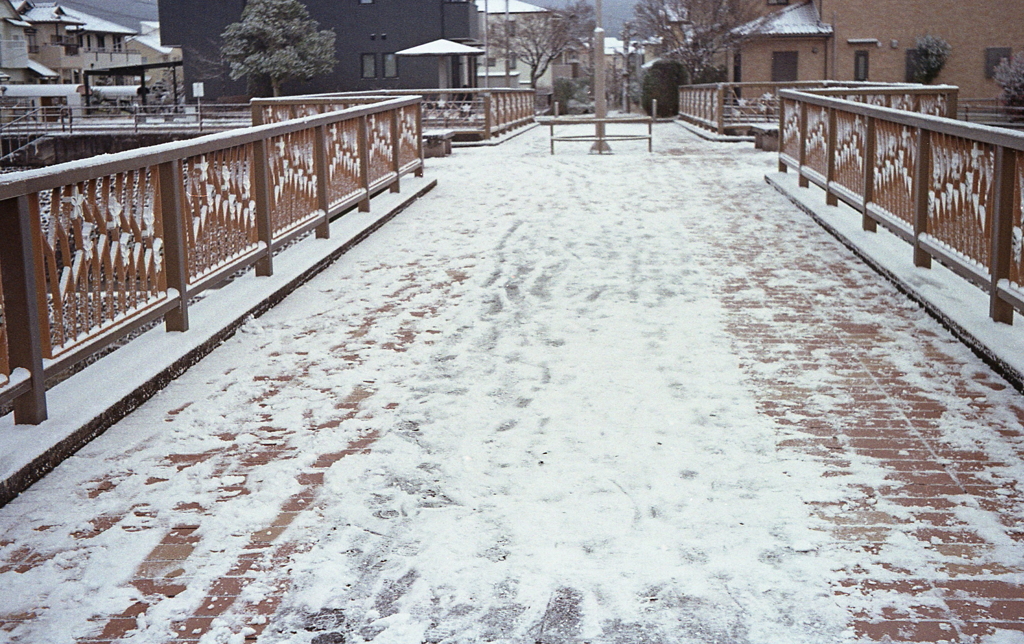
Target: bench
[[437, 143]]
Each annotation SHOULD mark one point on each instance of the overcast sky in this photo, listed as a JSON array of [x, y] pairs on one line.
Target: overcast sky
[[130, 12]]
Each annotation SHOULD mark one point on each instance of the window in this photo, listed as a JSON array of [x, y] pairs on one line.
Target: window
[[118, 42], [994, 56], [510, 28], [860, 65], [369, 65], [101, 42], [492, 61], [390, 64], [778, 1], [512, 61], [784, 66]]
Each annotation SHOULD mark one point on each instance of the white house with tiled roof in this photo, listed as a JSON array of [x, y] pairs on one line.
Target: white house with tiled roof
[[69, 41]]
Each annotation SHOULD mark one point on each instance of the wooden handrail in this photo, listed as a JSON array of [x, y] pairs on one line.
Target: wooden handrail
[[95, 249], [951, 189]]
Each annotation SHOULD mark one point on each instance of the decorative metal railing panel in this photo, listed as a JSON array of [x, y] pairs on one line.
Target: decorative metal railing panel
[[895, 158], [960, 195], [453, 115], [343, 162], [816, 141], [851, 133], [221, 225], [408, 137], [101, 243], [950, 188], [1016, 272], [790, 143], [115, 243], [291, 159], [381, 148]]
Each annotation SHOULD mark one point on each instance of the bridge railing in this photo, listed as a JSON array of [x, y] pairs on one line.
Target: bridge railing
[[91, 251], [951, 189], [722, 106], [471, 112]]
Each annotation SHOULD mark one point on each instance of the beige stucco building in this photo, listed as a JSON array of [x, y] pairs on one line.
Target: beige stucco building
[[870, 39]]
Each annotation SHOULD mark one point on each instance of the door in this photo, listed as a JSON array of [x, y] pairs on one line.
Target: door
[[784, 66]]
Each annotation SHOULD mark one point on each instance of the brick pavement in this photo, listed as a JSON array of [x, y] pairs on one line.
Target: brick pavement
[[882, 383], [877, 387]]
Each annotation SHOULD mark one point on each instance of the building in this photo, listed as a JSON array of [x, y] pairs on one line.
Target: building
[[501, 17], [856, 40], [14, 60], [69, 42], [368, 33]]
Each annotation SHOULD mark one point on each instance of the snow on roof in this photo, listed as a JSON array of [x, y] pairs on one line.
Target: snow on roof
[[514, 6], [153, 42], [612, 46], [441, 47], [41, 69], [53, 12], [794, 20]]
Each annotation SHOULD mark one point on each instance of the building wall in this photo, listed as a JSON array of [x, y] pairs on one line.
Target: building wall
[[383, 26], [756, 60], [969, 27]]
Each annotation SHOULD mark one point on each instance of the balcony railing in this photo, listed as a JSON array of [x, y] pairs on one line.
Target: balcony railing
[[94, 250], [472, 113], [726, 107], [949, 188]]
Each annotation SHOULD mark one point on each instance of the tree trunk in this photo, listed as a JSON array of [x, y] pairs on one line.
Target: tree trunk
[[275, 84]]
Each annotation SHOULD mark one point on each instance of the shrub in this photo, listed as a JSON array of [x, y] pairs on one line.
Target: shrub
[[661, 83], [1010, 76], [930, 56], [573, 95]]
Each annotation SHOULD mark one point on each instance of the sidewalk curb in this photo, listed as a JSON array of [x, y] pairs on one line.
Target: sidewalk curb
[[30, 451], [1000, 346]]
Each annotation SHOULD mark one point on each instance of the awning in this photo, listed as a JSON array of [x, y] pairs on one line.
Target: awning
[[441, 47], [41, 69], [19, 23]]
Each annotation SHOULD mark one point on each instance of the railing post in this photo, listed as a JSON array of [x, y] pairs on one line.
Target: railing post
[[487, 115], [719, 108], [262, 195], [175, 244], [419, 136], [396, 164], [1002, 231], [323, 230], [782, 128], [830, 163], [867, 223], [801, 179], [257, 113], [364, 162], [951, 103], [922, 176], [22, 306]]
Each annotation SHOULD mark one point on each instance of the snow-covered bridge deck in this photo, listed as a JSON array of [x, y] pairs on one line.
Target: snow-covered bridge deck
[[611, 399]]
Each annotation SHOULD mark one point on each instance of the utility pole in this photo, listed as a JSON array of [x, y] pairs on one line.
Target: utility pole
[[508, 48], [487, 49], [600, 100]]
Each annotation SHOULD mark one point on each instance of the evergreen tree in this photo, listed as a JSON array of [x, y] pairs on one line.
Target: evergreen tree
[[277, 41]]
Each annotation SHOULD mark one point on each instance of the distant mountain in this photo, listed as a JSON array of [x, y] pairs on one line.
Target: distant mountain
[[122, 12]]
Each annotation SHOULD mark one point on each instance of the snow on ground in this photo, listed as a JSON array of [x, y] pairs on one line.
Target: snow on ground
[[563, 447]]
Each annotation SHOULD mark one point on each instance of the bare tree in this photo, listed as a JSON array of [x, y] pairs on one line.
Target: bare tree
[[537, 39], [694, 32]]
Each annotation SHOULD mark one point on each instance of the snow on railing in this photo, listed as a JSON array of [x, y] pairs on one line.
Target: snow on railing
[[90, 251], [474, 112], [720, 106], [951, 189]]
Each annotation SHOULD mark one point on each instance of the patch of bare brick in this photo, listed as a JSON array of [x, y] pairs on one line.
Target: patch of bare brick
[[887, 385]]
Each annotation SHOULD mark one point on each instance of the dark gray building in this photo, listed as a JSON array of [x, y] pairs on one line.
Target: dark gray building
[[368, 32]]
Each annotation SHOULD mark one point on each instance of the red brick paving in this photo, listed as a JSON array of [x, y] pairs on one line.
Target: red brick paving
[[887, 402]]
